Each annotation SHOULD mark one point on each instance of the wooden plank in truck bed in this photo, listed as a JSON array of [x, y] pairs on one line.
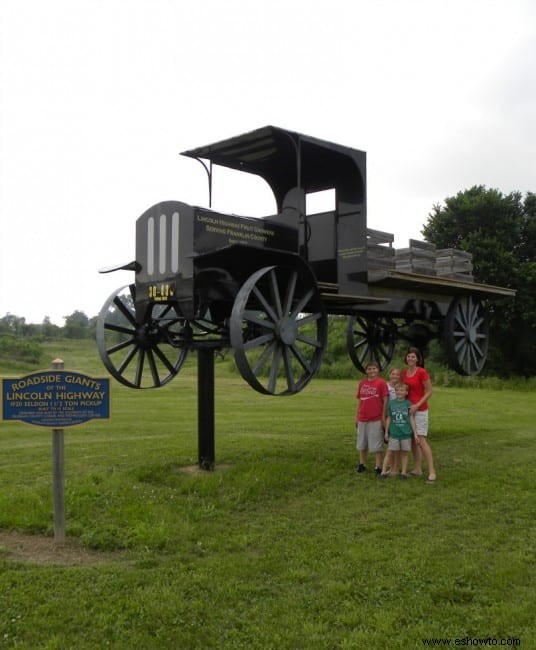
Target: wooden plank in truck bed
[[433, 283]]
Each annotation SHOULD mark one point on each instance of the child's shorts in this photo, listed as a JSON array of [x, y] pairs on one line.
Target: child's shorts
[[370, 436], [397, 444]]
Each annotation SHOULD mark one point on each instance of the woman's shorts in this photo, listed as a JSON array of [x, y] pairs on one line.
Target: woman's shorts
[[421, 422], [396, 444], [370, 436]]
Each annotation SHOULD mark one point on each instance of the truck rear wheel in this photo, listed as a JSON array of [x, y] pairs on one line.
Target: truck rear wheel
[[465, 335]]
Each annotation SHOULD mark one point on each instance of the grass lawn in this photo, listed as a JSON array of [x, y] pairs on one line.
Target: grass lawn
[[283, 545]]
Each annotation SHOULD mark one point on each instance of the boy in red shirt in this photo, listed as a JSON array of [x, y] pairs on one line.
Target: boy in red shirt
[[373, 394]]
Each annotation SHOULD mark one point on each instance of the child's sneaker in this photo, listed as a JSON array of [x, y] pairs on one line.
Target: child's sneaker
[[378, 470], [360, 468]]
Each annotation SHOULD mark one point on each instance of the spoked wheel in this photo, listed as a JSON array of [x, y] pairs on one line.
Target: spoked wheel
[[370, 338], [144, 354], [466, 335], [278, 330]]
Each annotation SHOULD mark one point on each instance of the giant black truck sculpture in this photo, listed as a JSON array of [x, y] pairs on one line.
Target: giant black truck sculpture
[[264, 286]]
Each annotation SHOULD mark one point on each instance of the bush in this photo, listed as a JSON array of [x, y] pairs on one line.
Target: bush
[[13, 349]]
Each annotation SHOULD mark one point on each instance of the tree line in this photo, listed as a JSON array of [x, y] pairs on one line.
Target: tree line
[[21, 341], [77, 326]]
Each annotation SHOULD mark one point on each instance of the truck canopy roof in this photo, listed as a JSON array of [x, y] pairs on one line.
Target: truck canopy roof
[[286, 159]]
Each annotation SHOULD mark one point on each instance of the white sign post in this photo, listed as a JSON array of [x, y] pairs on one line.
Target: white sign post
[[58, 475]]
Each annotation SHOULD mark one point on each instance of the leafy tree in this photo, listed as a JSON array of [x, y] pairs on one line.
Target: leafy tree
[[11, 324], [500, 232], [76, 326], [49, 330]]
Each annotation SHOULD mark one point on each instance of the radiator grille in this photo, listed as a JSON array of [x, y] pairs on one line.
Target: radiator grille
[[163, 244]]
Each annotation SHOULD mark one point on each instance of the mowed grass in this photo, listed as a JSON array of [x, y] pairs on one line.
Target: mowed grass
[[283, 545]]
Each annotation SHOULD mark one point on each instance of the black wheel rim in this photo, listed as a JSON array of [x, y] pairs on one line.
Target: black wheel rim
[[466, 335], [278, 330], [146, 354], [368, 339]]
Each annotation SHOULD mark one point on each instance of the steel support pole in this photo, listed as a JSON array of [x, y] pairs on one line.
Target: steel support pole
[[205, 408]]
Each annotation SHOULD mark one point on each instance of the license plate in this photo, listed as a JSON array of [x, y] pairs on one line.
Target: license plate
[[161, 292]]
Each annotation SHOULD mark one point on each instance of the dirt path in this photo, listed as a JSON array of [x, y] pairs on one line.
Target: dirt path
[[38, 549]]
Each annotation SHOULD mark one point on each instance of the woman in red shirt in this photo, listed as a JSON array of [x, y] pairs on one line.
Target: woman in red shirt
[[419, 392]]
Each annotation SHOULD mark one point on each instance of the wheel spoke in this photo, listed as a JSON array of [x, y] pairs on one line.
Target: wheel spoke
[[276, 297], [472, 309], [266, 306], [460, 344], [360, 328], [299, 356], [126, 361], [309, 318], [117, 328], [267, 352], [291, 289], [258, 341], [478, 323], [309, 341], [478, 350], [301, 304], [474, 357], [253, 317], [127, 313], [381, 352], [274, 369], [291, 384], [163, 358], [139, 368], [468, 359], [120, 346], [152, 366], [364, 356]]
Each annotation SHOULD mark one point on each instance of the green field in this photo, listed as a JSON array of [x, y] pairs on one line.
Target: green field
[[283, 545]]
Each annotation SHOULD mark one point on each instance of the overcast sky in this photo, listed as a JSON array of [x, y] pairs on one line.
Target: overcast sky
[[98, 98]]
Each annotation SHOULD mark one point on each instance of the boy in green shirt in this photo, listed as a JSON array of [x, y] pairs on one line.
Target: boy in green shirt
[[400, 427]]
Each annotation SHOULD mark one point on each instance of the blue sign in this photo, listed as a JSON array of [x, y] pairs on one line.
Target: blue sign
[[55, 398]]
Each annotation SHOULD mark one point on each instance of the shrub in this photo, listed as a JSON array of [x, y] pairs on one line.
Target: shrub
[[19, 349]]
